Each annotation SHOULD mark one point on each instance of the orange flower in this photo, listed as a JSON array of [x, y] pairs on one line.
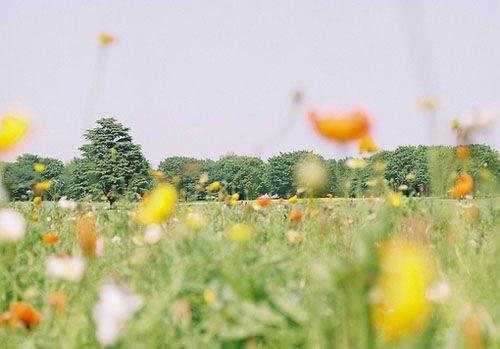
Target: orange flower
[[24, 313], [341, 128], [86, 234], [158, 175], [462, 152], [366, 145], [463, 186], [106, 39], [263, 201], [59, 300], [50, 238], [295, 216]]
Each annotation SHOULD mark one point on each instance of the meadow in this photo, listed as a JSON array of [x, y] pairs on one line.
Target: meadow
[[250, 274]]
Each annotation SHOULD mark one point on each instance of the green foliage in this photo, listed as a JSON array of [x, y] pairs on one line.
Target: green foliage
[[112, 165], [280, 172], [242, 174], [408, 165], [20, 176], [184, 173]]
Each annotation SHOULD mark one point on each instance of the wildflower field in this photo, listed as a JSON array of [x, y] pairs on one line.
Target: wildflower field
[[247, 276]]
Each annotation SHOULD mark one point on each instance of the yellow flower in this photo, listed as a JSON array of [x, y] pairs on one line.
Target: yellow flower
[[38, 167], [400, 306], [157, 205], [355, 164], [311, 173], [37, 200], [379, 166], [293, 200], [194, 221], [239, 233], [235, 197], [429, 104], [210, 297], [410, 176], [366, 145], [293, 237], [203, 178], [13, 128], [395, 199], [213, 186], [106, 39], [43, 186]]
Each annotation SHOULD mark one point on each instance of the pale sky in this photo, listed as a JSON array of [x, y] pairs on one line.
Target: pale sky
[[204, 78]]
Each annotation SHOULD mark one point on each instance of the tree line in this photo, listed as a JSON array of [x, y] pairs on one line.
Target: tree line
[[112, 166]]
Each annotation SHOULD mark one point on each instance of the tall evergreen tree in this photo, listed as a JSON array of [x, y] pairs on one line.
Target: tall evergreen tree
[[113, 164]]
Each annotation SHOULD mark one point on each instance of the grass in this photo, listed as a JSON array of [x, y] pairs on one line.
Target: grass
[[269, 293]]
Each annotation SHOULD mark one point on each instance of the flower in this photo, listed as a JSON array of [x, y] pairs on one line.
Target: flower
[[59, 300], [293, 237], [462, 152], [429, 104], [66, 204], [213, 186], [463, 186], [210, 297], [311, 173], [25, 314], [395, 199], [403, 187], [158, 175], [112, 311], [12, 225], [399, 299], [203, 178], [100, 247], [341, 128], [293, 200], [355, 164], [66, 268], [295, 216], [86, 234], [38, 167], [380, 166], [43, 186], [239, 233], [156, 206], [262, 201], [12, 129], [366, 145], [106, 39], [153, 234], [235, 197], [50, 238], [37, 200], [194, 221], [438, 292]]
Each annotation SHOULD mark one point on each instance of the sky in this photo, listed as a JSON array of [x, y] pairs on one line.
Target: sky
[[207, 78]]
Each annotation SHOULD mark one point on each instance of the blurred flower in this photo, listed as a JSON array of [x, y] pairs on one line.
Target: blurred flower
[[395, 199], [311, 173], [341, 128], [486, 175], [43, 186], [379, 166], [59, 301], [50, 238], [210, 297], [403, 187], [213, 186], [12, 225], [116, 239], [158, 175], [203, 178], [157, 205], [112, 311], [355, 164], [293, 237], [235, 196], [12, 129], [153, 234], [37, 200], [86, 234], [239, 233], [295, 216], [38, 167], [181, 312], [194, 221], [366, 145], [463, 186], [66, 268], [262, 201], [429, 104], [100, 247], [399, 299], [106, 39], [410, 176], [438, 292], [24, 314], [293, 200], [462, 152], [66, 204]]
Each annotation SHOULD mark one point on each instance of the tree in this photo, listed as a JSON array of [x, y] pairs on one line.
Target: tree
[[20, 176], [242, 175], [280, 172], [184, 173], [112, 164]]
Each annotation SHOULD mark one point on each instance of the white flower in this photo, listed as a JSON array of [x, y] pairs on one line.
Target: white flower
[[116, 239], [479, 119], [112, 312], [12, 225], [67, 268], [66, 204], [438, 292], [153, 234], [355, 164], [100, 247]]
